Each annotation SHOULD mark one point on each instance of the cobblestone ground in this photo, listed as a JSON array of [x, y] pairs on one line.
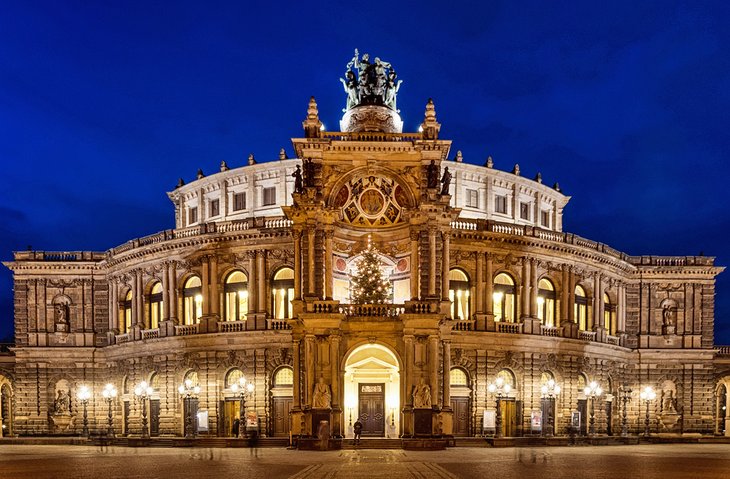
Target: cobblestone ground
[[646, 461]]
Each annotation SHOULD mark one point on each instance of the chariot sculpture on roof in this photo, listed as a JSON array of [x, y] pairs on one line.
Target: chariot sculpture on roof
[[370, 83]]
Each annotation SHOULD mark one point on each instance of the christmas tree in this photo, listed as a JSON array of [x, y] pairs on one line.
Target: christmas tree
[[369, 285]]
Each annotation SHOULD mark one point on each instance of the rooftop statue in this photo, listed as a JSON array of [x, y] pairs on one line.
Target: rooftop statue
[[374, 84]]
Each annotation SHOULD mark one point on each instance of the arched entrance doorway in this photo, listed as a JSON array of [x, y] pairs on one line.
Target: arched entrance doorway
[[6, 409], [372, 391]]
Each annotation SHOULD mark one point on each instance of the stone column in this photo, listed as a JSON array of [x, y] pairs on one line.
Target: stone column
[[173, 291], [564, 307], [252, 284], [433, 367], [727, 408], [335, 369], [296, 389], [534, 288], [525, 287], [261, 277], [571, 296], [310, 261], [621, 313], [408, 373], [297, 234], [445, 266], [135, 296], [432, 261], [328, 278], [165, 292], [309, 372], [214, 297], [489, 286], [597, 301], [415, 266], [447, 372], [479, 303], [114, 312], [205, 280]]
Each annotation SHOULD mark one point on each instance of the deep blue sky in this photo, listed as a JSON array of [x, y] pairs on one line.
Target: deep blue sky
[[102, 108]]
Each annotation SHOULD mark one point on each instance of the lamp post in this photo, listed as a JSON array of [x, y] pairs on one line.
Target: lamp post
[[550, 391], [647, 394], [188, 391], [592, 391], [499, 389], [242, 389], [109, 393], [143, 391], [84, 394], [625, 398]]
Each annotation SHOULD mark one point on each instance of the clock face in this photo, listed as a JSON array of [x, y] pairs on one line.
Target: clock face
[[371, 201]]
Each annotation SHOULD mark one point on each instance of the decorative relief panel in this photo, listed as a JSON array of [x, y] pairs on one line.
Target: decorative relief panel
[[371, 201]]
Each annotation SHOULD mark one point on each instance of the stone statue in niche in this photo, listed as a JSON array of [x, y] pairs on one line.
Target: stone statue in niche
[[669, 402], [445, 181], [422, 395], [61, 320], [298, 184], [322, 397], [433, 175], [62, 403], [669, 320]]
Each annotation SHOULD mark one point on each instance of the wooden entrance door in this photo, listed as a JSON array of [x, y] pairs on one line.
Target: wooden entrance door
[[281, 422], [231, 409], [154, 417], [462, 412], [509, 418], [371, 409], [609, 418]]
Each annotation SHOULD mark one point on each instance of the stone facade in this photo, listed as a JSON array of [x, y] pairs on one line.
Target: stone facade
[[253, 281]]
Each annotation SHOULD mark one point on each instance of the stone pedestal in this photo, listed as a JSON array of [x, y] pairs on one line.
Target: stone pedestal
[[423, 423], [444, 424], [570, 329], [669, 422], [531, 326], [167, 328]]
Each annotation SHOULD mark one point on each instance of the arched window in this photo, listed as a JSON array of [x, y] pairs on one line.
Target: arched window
[[236, 291], [546, 302], [155, 382], [155, 305], [125, 385], [192, 300], [505, 306], [507, 378], [284, 377], [546, 377], [580, 308], [232, 377], [126, 318], [582, 383], [457, 377], [191, 376], [459, 294], [282, 292], [609, 315]]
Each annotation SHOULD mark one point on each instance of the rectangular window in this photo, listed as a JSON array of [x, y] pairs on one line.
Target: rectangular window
[[472, 198], [215, 207], [500, 204], [525, 211], [269, 196], [545, 219], [239, 201], [193, 216]]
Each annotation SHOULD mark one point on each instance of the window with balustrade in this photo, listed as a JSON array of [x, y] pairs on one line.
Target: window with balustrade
[[459, 294], [125, 318], [504, 300], [236, 296], [192, 301], [154, 302], [546, 302], [282, 293], [609, 315], [580, 308]]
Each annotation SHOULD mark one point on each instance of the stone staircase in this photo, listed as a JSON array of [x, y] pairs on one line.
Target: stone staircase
[[372, 443]]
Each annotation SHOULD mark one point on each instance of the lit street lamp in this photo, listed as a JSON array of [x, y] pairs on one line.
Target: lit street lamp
[[242, 389], [110, 393], [648, 395], [143, 391], [549, 391], [625, 398], [188, 391], [84, 394], [499, 389], [593, 390]]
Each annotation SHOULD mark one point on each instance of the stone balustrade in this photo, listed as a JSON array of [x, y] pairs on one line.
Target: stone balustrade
[[186, 329], [150, 333], [553, 331], [278, 324], [371, 136], [587, 335], [231, 326], [511, 328], [722, 350], [462, 325], [372, 310], [122, 338]]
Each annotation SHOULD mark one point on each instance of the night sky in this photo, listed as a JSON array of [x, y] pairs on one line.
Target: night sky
[[626, 105]]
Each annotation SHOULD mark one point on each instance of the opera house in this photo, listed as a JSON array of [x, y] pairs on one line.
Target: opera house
[[241, 319]]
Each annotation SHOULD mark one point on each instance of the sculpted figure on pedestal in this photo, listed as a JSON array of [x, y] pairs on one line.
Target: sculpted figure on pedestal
[[422, 395], [322, 397]]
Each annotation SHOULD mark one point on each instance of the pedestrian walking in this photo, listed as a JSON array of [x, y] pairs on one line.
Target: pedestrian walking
[[357, 428]]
